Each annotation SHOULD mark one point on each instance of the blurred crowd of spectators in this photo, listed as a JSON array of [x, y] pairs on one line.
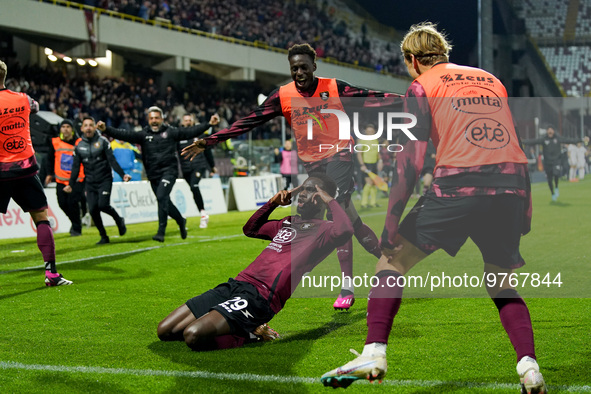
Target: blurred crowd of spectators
[[276, 23], [122, 102]]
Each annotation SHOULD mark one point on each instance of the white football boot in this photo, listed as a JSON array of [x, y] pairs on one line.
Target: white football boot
[[363, 367], [532, 381]]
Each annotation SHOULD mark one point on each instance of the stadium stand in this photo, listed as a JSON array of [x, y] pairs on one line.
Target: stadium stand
[[545, 18], [572, 67], [583, 24], [121, 102], [562, 31], [330, 26]]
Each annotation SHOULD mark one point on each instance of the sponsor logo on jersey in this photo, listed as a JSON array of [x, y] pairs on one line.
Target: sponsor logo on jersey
[[12, 125], [15, 144], [285, 235], [476, 100], [462, 77], [487, 133], [8, 111]]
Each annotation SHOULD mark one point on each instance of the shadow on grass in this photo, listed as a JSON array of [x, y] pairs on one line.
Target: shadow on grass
[[96, 265], [20, 293], [560, 204], [278, 358], [71, 247]]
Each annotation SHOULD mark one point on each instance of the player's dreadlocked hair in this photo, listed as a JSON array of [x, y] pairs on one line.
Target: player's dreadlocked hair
[[302, 49], [328, 185]]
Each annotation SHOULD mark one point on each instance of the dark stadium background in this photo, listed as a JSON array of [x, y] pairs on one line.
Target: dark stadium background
[[457, 17]]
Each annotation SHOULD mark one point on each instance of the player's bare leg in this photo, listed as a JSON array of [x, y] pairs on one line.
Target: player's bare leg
[[172, 327], [201, 334]]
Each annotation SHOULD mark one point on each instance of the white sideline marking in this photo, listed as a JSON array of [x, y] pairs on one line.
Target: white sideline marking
[[264, 378], [60, 263]]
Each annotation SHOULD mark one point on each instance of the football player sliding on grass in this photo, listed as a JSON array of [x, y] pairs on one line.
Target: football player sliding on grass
[[237, 311]]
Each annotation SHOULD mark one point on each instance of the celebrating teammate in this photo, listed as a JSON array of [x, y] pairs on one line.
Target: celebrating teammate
[[480, 190], [18, 172], [237, 311], [337, 162]]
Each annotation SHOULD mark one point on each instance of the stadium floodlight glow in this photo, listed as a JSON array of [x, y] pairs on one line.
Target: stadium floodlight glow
[[53, 58], [81, 62], [92, 63], [67, 59], [48, 51]]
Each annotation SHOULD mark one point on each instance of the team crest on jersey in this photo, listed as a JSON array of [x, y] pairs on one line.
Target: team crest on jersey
[[285, 235], [97, 144], [324, 96], [307, 226], [164, 134]]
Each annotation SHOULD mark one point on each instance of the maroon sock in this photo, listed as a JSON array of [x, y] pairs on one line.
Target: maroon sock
[[367, 238], [345, 256], [229, 341], [46, 245], [382, 305], [516, 321]]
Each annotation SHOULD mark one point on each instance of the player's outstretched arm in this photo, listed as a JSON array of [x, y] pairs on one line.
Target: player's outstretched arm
[[120, 134], [196, 131], [191, 151]]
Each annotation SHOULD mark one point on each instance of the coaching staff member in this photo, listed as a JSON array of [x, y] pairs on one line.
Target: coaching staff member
[[94, 152], [159, 145]]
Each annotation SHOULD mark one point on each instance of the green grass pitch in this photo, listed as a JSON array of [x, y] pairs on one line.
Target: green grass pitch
[[99, 335]]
